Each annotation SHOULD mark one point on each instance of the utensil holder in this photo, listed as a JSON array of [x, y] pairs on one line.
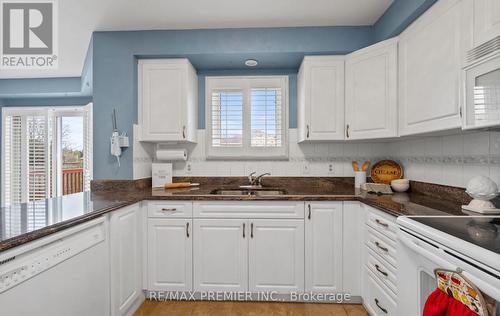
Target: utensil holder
[[359, 178]]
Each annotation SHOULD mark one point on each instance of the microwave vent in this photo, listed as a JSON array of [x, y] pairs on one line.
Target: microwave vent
[[484, 49]]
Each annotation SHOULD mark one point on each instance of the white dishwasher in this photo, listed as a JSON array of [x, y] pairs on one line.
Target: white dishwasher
[[63, 274]]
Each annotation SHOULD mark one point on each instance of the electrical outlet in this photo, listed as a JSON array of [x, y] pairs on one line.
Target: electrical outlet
[[306, 169], [188, 168], [331, 169]]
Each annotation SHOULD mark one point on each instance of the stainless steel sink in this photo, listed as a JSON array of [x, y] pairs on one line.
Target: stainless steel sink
[[258, 192]]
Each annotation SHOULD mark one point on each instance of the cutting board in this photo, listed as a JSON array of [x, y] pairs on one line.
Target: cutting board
[[385, 171]]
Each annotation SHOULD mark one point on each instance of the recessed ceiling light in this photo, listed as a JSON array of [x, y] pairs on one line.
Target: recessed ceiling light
[[251, 62]]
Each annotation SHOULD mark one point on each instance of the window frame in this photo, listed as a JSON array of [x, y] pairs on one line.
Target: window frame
[[245, 84]]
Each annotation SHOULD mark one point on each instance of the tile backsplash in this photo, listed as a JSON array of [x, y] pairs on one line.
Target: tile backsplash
[[448, 160], [318, 159]]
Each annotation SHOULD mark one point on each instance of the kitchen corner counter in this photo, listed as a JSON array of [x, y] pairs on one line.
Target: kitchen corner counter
[[23, 223]]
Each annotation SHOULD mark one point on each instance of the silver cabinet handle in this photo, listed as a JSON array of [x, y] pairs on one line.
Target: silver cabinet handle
[[381, 223], [251, 230], [169, 209], [184, 132], [307, 134], [347, 131], [380, 270], [380, 307], [187, 229], [309, 214], [380, 247], [243, 230]]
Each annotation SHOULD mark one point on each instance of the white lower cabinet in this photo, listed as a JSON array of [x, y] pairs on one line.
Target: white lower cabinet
[[126, 260], [170, 254], [323, 253], [276, 255], [380, 290], [377, 300], [220, 255]]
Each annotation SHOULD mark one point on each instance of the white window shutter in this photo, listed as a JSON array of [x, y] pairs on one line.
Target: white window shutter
[[247, 117], [266, 117], [12, 160], [227, 118], [87, 147], [38, 158]]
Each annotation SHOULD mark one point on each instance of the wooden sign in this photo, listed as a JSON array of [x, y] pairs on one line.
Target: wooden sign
[[385, 171]]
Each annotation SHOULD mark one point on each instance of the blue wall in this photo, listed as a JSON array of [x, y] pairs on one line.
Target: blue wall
[[398, 16]]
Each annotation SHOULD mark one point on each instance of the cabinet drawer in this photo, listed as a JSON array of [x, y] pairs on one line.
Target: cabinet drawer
[[378, 301], [170, 209], [384, 272], [381, 245], [244, 209], [382, 223]]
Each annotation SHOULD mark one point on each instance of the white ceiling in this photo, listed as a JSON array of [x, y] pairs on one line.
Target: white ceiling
[[78, 19]]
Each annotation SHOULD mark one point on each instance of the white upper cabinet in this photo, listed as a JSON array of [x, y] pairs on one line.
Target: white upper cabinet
[[168, 100], [321, 98], [430, 60], [371, 91], [486, 20]]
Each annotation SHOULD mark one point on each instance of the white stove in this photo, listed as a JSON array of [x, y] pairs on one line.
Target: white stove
[[466, 243]]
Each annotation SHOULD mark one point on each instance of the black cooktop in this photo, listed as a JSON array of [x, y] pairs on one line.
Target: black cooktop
[[481, 231]]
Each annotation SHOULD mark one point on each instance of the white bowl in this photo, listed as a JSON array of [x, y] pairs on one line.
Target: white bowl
[[400, 185]]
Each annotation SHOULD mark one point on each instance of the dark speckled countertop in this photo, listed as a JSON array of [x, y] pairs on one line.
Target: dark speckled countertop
[[23, 223]]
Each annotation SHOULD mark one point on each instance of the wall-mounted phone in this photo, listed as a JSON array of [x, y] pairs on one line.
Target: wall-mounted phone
[[118, 141]]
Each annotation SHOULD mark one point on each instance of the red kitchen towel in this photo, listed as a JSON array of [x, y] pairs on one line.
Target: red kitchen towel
[[441, 304]]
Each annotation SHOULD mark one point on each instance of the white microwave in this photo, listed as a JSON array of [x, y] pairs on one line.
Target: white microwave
[[482, 87]]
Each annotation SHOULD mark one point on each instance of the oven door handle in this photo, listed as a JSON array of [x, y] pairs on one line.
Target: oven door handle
[[425, 253], [492, 290]]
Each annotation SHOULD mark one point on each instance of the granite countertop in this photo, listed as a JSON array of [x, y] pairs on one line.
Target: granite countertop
[[22, 223]]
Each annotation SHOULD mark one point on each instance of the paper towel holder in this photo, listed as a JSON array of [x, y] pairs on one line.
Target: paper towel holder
[[166, 146]]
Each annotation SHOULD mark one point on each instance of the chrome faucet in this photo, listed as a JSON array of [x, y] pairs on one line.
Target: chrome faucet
[[256, 180], [251, 178], [259, 178]]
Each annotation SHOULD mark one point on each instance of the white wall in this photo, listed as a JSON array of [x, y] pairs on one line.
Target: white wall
[[449, 160]]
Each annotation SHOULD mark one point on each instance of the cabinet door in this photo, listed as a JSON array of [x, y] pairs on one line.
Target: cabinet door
[[276, 255], [321, 98], [220, 255], [323, 247], [126, 259], [170, 255], [371, 92], [486, 20], [162, 105], [429, 70]]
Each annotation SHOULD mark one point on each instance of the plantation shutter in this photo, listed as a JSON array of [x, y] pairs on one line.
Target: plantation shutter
[[38, 157], [12, 160], [227, 118], [87, 147], [266, 117]]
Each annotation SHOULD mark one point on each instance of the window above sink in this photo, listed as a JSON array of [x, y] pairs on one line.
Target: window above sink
[[247, 117]]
